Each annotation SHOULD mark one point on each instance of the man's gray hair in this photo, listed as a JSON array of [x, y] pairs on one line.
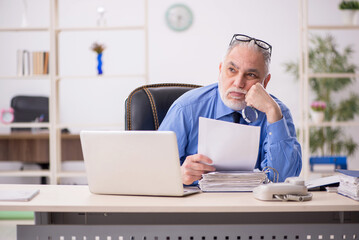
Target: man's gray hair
[[252, 45]]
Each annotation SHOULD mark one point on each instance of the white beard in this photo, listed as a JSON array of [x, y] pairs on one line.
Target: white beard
[[232, 103]]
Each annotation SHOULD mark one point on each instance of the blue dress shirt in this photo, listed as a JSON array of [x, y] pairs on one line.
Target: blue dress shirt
[[278, 147]]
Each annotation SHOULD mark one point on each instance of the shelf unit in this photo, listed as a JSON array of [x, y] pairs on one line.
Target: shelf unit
[[305, 75], [55, 173]]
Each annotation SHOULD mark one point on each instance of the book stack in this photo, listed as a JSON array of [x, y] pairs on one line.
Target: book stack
[[349, 183], [232, 181], [32, 63]]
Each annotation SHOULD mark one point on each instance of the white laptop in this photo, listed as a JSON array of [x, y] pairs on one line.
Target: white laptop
[[133, 163]]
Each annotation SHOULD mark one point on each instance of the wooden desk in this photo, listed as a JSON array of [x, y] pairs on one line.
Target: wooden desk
[[34, 148], [68, 211]]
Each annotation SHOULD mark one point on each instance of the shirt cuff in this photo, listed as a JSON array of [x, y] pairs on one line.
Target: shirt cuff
[[278, 131]]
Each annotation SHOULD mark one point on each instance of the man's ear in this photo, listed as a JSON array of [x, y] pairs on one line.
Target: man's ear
[[220, 67], [266, 80]]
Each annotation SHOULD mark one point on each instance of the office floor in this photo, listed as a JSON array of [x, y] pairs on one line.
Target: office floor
[[8, 228]]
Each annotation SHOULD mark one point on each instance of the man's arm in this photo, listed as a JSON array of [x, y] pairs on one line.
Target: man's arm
[[280, 148], [192, 166]]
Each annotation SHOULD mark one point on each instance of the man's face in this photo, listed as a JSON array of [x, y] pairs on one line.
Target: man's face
[[241, 69]]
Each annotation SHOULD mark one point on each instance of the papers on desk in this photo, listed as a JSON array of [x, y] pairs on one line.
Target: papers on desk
[[231, 146], [23, 195], [322, 182], [231, 181], [349, 183]]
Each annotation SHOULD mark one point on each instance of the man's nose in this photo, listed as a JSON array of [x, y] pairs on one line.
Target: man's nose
[[239, 82]]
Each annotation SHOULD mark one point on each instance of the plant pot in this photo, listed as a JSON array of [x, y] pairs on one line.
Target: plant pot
[[317, 116], [349, 17]]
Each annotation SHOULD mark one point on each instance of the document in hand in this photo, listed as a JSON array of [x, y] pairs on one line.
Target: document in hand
[[232, 181], [349, 183], [231, 146]]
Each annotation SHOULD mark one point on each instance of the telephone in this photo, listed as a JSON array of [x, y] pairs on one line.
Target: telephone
[[293, 189]]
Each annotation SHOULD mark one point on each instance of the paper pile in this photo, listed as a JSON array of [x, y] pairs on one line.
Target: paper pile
[[349, 183], [237, 181]]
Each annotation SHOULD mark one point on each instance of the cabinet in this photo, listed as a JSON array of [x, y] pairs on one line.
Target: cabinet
[[305, 73], [56, 77]]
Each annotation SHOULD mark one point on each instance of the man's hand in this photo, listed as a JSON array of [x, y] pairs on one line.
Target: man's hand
[[259, 98], [193, 168]]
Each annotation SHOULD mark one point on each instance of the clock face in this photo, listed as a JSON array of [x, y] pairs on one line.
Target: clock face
[[179, 17], [7, 115]]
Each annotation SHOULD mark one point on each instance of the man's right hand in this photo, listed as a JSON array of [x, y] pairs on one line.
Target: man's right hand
[[193, 168]]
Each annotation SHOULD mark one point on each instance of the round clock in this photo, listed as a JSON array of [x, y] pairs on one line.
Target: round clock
[[179, 17], [7, 115]]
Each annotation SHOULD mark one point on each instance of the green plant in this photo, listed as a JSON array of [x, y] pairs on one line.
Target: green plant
[[349, 5], [324, 57]]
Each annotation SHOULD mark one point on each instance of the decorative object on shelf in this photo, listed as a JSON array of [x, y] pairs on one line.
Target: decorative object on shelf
[[317, 111], [98, 48], [7, 115], [326, 57], [101, 20], [179, 17], [349, 11], [24, 14]]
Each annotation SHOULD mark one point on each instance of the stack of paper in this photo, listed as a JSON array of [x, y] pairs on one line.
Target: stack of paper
[[18, 194], [231, 181], [349, 183]]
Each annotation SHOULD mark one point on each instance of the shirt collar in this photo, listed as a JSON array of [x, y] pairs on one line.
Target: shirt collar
[[221, 109]]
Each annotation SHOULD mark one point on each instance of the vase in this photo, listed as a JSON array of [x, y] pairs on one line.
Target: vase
[[317, 116], [349, 17], [99, 64]]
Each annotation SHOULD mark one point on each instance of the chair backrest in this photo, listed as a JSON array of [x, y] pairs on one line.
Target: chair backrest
[[30, 108], [146, 106]]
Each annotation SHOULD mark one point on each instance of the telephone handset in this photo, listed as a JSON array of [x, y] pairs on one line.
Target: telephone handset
[[292, 189]]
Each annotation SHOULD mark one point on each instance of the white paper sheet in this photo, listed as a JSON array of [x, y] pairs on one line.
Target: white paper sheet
[[231, 146]]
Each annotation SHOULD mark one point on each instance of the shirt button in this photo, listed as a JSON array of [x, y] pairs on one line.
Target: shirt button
[[270, 133]]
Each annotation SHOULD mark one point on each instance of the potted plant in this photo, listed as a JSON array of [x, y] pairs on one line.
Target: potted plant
[[349, 11], [317, 111], [325, 57]]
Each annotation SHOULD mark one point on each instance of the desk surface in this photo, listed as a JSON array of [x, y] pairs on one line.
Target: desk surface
[[72, 198]]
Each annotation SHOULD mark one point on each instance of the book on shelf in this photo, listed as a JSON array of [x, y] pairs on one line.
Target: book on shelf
[[349, 183], [232, 181], [32, 63]]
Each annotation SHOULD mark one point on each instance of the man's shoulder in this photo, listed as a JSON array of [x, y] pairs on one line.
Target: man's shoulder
[[197, 95]]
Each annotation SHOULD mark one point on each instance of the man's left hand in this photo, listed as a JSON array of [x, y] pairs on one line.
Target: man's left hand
[[259, 98]]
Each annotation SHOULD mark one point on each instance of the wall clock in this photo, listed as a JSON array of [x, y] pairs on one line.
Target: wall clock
[[179, 17], [7, 115]]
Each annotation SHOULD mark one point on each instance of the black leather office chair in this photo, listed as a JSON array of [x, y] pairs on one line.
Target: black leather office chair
[[146, 106]]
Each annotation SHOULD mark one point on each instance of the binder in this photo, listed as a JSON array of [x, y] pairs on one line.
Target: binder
[[349, 183]]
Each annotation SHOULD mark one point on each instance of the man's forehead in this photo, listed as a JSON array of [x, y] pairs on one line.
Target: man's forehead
[[244, 55]]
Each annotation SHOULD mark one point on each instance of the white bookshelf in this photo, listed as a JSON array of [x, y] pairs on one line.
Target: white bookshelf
[[305, 74], [25, 29], [54, 125]]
